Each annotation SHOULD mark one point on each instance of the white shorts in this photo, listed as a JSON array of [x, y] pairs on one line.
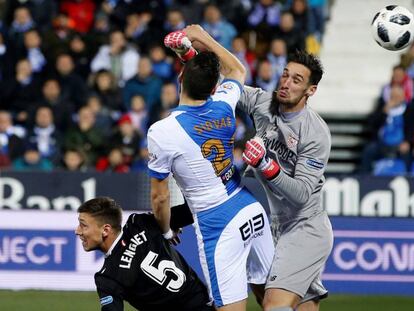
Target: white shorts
[[235, 247]]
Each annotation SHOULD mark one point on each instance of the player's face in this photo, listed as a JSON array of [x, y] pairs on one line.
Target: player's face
[[90, 232], [293, 88]]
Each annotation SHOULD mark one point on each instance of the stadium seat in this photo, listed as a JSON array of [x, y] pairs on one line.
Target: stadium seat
[[389, 167]]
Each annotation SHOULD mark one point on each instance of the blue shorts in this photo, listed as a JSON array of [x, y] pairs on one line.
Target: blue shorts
[[235, 247]]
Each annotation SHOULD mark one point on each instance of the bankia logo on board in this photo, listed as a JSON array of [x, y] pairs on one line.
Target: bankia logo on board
[[372, 256]]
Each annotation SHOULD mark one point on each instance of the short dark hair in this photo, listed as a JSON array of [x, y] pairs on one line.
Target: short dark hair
[[105, 210], [311, 62], [200, 75]]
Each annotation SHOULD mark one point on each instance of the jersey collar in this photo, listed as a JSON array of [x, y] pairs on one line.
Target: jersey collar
[[109, 252]]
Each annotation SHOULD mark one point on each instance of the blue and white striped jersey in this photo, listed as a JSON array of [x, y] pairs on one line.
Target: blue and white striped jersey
[[195, 144]]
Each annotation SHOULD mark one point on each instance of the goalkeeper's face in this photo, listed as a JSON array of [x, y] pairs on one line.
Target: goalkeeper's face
[[90, 232]]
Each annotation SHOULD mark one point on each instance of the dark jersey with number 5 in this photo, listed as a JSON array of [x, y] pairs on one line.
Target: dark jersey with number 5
[[143, 269]]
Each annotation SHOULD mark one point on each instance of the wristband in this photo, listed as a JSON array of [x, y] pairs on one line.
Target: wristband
[[168, 235], [188, 55], [269, 168]]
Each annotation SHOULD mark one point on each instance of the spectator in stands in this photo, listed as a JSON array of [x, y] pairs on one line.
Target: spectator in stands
[[22, 91], [141, 31], [108, 91], [399, 78], [162, 65], [145, 83], [266, 78], [11, 140], [114, 162], [32, 160], [174, 21], [318, 9], [73, 87], [33, 50], [295, 40], [247, 58], [138, 115], [97, 37], [56, 40], [168, 101], [128, 139], [74, 161], [104, 117], [81, 12], [81, 54], [45, 136], [86, 136], [118, 57], [391, 124], [62, 108], [220, 29], [277, 56], [303, 18], [21, 23], [264, 17], [42, 11]]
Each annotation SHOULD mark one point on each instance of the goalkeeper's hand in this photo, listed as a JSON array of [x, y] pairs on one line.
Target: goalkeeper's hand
[[254, 155], [180, 44]]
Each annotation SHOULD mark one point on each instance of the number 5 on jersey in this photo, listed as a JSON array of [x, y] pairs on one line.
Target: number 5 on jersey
[[159, 274]]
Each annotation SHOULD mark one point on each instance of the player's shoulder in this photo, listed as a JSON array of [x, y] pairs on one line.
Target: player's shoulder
[[164, 127], [316, 126], [139, 221]]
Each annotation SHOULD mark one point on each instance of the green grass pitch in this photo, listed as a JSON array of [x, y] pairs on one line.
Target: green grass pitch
[[88, 301]]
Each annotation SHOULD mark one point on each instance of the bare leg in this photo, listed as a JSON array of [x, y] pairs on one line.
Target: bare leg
[[237, 306], [276, 298], [259, 292], [308, 306]]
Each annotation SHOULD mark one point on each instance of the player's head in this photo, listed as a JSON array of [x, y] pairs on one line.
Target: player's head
[[299, 80], [99, 223], [200, 75]]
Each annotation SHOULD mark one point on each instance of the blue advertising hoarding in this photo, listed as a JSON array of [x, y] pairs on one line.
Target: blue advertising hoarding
[[369, 256], [48, 250]]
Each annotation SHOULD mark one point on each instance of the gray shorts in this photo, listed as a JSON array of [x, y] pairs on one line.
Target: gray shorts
[[300, 255]]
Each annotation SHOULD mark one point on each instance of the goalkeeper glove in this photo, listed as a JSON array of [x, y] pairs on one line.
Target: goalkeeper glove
[[254, 154], [180, 44]]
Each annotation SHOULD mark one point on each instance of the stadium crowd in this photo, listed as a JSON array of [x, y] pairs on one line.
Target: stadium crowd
[[389, 150], [81, 81]]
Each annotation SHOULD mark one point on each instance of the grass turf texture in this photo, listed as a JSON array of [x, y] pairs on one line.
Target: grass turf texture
[[87, 301]]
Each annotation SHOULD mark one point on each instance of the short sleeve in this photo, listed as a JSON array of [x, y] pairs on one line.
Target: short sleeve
[[160, 159], [250, 98], [229, 91]]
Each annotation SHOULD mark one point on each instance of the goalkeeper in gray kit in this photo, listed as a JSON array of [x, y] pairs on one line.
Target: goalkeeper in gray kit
[[288, 156]]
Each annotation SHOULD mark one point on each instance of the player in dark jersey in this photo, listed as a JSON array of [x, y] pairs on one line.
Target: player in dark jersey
[[140, 266]]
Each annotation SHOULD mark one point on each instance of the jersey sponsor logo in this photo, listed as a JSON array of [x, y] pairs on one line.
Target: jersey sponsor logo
[[252, 228], [280, 149], [228, 86], [315, 163], [129, 253], [291, 142], [106, 300]]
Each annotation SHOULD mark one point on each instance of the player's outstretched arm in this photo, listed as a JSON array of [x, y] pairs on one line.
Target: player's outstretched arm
[[232, 68], [160, 203]]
